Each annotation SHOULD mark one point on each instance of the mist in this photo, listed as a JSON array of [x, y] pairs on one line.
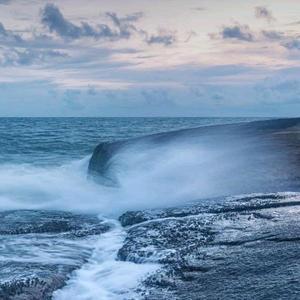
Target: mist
[[153, 173]]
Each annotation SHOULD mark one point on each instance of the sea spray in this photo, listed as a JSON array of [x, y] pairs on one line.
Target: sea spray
[[148, 175], [104, 276]]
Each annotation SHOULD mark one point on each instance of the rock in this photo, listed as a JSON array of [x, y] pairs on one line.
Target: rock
[[44, 280], [217, 205], [265, 151], [31, 221], [40, 249], [238, 248]]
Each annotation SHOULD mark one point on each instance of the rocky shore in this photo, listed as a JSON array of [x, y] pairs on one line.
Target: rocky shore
[[242, 248], [40, 249]]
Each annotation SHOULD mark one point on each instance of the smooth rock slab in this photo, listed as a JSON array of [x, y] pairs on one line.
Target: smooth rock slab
[[241, 248]]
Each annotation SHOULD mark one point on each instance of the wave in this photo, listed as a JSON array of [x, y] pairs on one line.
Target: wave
[[162, 170], [171, 168]]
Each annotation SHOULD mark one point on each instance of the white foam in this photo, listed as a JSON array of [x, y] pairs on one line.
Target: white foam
[[148, 178], [56, 188], [104, 277]]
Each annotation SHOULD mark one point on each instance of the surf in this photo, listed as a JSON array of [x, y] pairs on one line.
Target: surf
[[162, 170], [171, 169]]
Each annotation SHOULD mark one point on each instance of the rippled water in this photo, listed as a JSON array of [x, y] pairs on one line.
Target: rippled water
[[54, 141], [43, 165]]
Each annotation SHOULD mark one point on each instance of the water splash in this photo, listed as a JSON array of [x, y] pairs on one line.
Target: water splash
[[104, 277]]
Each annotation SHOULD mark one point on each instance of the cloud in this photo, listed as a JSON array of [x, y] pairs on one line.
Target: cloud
[[5, 2], [123, 28], [238, 32], [56, 22], [244, 33], [272, 34], [25, 57], [292, 44], [163, 37], [8, 36], [199, 8], [262, 12], [120, 28], [15, 50], [190, 35], [123, 20], [71, 100], [294, 23], [124, 24]]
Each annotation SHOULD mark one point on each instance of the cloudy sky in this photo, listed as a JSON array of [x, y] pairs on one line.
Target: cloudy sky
[[149, 58]]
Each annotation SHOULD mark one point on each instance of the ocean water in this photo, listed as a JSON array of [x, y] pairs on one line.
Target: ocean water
[[55, 141], [43, 161], [43, 165]]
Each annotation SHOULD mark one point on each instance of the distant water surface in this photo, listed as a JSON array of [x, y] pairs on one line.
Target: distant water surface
[[55, 141]]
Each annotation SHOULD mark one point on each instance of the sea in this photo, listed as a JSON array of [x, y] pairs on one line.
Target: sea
[[43, 166]]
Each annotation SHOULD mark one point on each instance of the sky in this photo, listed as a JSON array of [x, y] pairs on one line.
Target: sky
[[149, 58]]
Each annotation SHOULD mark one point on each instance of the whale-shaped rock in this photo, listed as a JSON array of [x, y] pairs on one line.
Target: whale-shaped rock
[[260, 156]]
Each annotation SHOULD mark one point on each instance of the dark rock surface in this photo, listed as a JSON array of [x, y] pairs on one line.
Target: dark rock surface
[[239, 248], [268, 152], [39, 250]]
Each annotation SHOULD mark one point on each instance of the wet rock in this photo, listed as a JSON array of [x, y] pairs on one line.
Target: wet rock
[[40, 249], [41, 285], [260, 156], [216, 205], [30, 221], [238, 248]]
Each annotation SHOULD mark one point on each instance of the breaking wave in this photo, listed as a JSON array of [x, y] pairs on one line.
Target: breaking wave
[[159, 171], [162, 170]]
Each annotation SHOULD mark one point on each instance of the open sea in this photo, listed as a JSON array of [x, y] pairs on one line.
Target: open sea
[[43, 166], [55, 141]]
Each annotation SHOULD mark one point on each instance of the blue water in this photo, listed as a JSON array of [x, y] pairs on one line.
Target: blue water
[[55, 141], [43, 165]]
